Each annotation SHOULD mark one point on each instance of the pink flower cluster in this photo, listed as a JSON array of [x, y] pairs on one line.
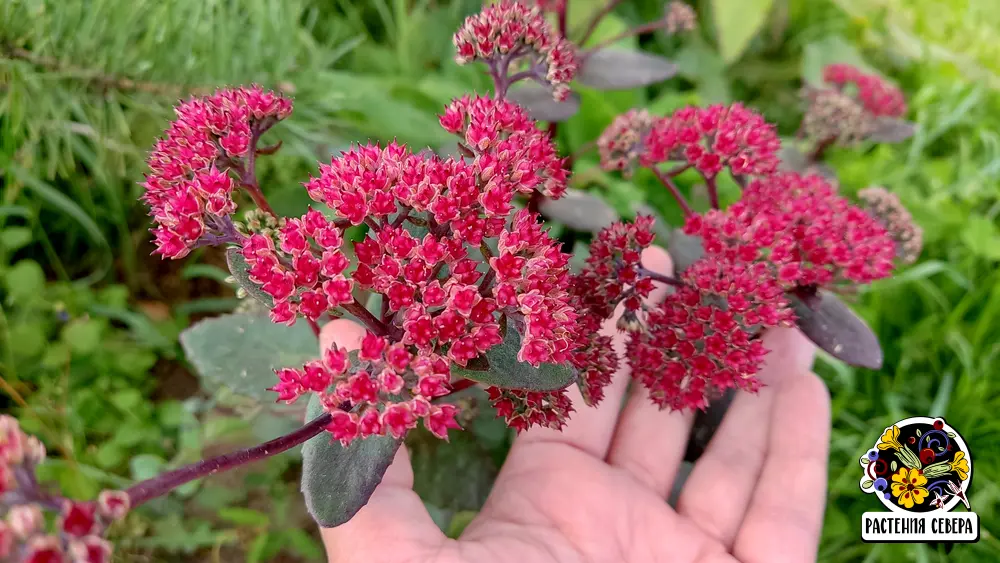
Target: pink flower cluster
[[189, 188], [701, 339], [509, 30], [385, 390], [878, 96], [713, 138], [433, 223], [799, 224], [613, 275], [522, 409], [23, 534]]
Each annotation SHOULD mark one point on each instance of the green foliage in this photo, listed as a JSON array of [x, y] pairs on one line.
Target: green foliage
[[736, 22]]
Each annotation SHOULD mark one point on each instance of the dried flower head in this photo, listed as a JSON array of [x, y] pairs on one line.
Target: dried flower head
[[680, 17], [510, 31], [713, 138], [886, 207], [621, 144], [877, 96], [701, 338], [833, 115], [192, 168]]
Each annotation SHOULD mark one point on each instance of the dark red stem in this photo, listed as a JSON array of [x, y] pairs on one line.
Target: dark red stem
[[461, 386], [314, 326], [666, 181], [596, 20], [713, 192], [817, 153], [249, 177], [162, 484], [365, 316], [659, 277]]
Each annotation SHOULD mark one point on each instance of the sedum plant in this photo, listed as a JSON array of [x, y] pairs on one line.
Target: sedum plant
[[444, 261]]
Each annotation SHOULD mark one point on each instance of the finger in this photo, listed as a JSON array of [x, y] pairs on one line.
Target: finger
[[590, 429], [648, 442], [394, 520], [718, 491], [787, 505]]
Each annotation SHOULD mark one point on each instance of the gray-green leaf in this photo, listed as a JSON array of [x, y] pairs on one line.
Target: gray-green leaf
[[620, 69], [891, 130], [507, 372], [832, 326], [337, 481], [579, 211], [537, 100], [242, 350], [684, 250], [240, 269]]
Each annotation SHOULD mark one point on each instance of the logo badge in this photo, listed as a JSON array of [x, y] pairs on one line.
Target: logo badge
[[920, 470]]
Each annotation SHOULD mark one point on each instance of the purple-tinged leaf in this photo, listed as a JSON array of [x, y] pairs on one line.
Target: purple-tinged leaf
[[337, 481], [794, 160], [620, 69], [835, 329], [537, 100], [579, 211], [891, 130]]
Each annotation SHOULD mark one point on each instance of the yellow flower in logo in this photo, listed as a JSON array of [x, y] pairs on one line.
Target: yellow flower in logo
[[960, 465], [908, 485], [890, 439]]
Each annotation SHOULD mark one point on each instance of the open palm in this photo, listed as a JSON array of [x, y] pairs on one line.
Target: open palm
[[597, 490]]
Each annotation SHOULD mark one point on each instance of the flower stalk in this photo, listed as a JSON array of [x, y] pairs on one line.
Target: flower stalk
[[162, 484]]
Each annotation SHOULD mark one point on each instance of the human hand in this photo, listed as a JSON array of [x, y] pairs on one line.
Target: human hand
[[597, 490]]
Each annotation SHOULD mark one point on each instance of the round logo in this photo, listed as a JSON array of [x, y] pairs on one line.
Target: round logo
[[919, 464]]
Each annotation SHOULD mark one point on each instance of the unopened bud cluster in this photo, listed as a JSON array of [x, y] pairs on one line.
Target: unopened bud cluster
[[680, 17], [25, 536], [833, 115], [621, 144], [888, 209]]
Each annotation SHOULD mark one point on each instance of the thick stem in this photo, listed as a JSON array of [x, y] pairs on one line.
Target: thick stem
[[365, 316], [596, 20], [713, 192], [162, 484], [675, 172], [248, 178], [638, 30], [666, 181], [655, 276], [817, 154], [314, 326]]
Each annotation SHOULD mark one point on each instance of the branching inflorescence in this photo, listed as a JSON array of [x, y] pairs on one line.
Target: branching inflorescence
[[459, 272]]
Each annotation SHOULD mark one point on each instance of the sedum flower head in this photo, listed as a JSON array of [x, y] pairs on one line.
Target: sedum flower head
[[510, 30], [701, 339], [878, 97], [834, 115], [24, 534], [680, 17], [621, 144], [800, 226], [714, 138], [886, 207], [190, 184], [454, 263]]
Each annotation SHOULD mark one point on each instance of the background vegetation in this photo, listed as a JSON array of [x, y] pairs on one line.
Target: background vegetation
[[89, 320]]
